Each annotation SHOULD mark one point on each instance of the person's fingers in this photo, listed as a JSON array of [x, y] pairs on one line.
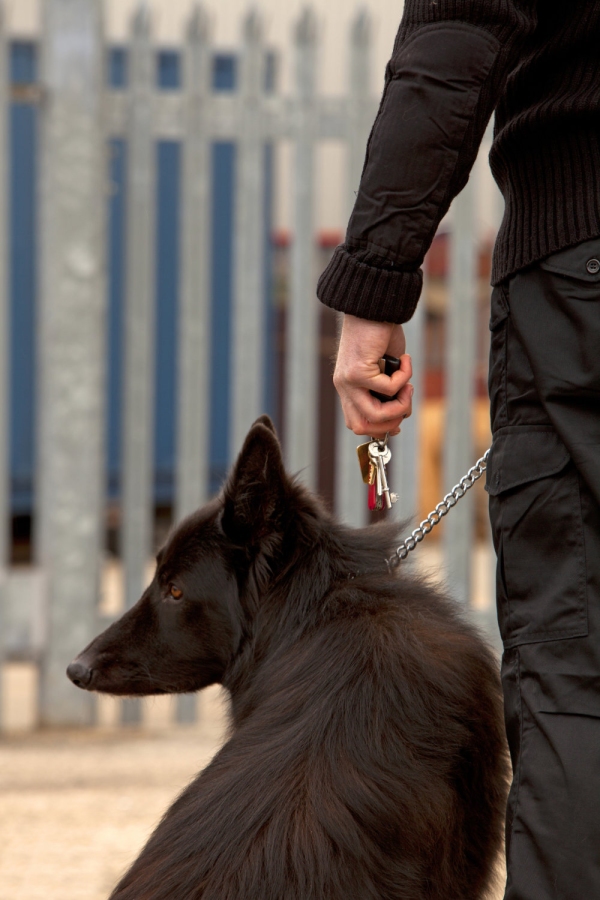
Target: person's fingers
[[361, 424], [362, 428], [350, 380], [379, 418], [388, 414], [389, 384]]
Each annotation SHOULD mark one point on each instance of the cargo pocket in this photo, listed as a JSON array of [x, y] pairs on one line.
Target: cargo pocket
[[568, 694], [537, 523], [580, 265]]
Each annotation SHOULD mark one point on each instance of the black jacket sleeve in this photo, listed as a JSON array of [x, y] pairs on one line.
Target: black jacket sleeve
[[448, 68]]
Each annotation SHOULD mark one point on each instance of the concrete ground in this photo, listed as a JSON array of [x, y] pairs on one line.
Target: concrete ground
[[76, 807]]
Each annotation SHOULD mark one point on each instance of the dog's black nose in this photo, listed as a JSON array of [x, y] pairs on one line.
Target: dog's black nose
[[79, 674]]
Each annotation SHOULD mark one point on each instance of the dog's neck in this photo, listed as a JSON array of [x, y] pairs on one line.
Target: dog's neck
[[296, 597], [282, 611]]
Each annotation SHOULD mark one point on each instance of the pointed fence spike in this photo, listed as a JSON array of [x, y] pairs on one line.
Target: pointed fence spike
[[253, 27], [361, 28], [141, 19], [198, 25], [306, 27]]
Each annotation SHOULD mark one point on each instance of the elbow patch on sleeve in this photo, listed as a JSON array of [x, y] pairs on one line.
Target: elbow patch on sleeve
[[434, 84]]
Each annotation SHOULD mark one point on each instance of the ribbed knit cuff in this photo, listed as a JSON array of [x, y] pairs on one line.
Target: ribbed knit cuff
[[381, 295]]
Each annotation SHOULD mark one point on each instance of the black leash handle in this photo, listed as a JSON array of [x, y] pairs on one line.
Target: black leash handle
[[390, 365]]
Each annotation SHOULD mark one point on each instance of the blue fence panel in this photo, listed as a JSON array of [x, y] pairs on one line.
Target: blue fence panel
[[167, 292], [167, 303], [224, 72], [23, 62], [23, 273], [223, 180], [117, 67], [271, 385], [224, 78], [168, 70]]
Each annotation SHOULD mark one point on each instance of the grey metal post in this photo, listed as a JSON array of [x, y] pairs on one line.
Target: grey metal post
[[460, 375], [302, 322], [249, 289], [194, 316], [138, 437], [72, 309], [350, 492], [4, 340]]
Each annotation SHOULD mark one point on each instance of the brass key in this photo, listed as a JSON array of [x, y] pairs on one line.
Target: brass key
[[367, 469]]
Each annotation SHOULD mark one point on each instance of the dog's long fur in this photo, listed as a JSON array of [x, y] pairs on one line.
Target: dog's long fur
[[366, 759]]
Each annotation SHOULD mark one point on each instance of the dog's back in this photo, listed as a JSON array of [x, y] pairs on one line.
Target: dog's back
[[367, 755]]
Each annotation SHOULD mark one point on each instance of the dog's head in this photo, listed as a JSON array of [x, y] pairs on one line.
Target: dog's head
[[187, 627]]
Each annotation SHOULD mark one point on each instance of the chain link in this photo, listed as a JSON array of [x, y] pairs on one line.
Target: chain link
[[442, 509]]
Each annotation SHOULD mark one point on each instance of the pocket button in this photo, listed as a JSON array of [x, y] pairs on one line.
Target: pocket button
[[593, 266]]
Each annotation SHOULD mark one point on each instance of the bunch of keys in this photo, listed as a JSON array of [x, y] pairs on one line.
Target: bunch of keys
[[374, 456]]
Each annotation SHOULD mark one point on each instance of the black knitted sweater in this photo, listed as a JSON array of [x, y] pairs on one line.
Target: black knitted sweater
[[537, 63]]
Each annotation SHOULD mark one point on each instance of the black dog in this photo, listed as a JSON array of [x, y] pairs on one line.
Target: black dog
[[366, 760]]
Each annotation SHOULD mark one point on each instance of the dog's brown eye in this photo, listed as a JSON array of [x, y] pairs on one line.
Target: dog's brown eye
[[175, 593]]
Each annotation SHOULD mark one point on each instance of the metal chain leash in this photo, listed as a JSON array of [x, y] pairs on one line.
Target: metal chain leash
[[442, 509]]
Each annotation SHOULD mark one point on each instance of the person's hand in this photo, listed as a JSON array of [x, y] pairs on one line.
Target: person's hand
[[362, 344]]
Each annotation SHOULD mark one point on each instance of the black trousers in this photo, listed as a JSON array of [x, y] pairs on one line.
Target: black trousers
[[544, 486]]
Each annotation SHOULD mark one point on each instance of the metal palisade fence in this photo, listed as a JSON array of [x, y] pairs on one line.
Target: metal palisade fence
[[50, 611]]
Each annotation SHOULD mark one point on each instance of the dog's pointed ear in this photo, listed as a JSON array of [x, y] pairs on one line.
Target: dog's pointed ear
[[266, 421], [256, 491]]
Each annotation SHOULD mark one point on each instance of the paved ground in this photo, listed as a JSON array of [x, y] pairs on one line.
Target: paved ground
[[76, 807]]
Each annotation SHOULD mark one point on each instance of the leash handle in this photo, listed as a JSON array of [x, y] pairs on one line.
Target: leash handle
[[390, 365]]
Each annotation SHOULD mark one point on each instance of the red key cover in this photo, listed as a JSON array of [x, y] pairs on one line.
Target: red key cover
[[372, 496]]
